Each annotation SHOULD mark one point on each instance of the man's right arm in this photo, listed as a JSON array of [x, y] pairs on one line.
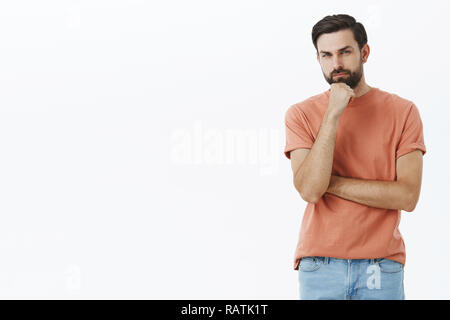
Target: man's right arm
[[312, 168]]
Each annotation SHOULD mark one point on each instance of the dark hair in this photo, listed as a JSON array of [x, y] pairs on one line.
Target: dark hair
[[338, 22]]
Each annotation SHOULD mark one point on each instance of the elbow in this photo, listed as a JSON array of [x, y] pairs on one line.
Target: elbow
[[409, 207], [410, 204], [312, 199], [315, 198], [308, 196]]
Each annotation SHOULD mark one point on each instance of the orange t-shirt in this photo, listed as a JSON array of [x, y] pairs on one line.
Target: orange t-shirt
[[372, 132]]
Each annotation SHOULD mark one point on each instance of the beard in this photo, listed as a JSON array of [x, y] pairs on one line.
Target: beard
[[351, 79]]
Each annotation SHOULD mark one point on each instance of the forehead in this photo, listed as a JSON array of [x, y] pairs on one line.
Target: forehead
[[334, 41]]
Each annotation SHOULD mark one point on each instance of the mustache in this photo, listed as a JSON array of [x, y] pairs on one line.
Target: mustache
[[337, 72]]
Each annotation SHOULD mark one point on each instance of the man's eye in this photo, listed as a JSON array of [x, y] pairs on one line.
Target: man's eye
[[327, 54]]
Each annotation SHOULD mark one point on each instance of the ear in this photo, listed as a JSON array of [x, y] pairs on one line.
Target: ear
[[365, 51]]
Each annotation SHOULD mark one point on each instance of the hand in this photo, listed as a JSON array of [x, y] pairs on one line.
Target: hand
[[340, 96]]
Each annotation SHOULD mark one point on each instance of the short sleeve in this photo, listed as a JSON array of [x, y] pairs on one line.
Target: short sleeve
[[412, 134], [297, 131]]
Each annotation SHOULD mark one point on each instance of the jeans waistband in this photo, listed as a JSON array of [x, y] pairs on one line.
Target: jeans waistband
[[326, 260]]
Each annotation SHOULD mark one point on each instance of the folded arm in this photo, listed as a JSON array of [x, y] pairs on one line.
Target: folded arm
[[401, 194]]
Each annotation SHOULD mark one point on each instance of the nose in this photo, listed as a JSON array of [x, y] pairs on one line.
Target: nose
[[337, 63]]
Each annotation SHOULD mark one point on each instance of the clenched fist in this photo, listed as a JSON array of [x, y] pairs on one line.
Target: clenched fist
[[340, 96]]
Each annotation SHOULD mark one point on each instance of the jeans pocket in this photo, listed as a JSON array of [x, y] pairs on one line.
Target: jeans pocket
[[389, 266], [309, 264]]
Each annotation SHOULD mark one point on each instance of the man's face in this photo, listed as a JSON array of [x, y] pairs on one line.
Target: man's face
[[339, 52]]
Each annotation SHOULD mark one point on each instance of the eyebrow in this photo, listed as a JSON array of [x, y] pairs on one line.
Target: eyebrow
[[346, 47]]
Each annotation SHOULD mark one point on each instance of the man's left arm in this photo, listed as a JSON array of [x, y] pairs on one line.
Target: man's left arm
[[401, 194]]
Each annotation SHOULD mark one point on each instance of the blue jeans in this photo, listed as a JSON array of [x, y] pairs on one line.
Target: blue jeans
[[350, 279]]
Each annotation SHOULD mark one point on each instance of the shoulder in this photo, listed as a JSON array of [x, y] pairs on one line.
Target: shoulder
[[395, 101], [402, 110]]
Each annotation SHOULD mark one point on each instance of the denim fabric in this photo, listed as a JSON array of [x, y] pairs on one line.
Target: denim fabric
[[350, 279]]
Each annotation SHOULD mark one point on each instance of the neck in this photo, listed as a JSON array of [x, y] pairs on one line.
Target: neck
[[362, 88]]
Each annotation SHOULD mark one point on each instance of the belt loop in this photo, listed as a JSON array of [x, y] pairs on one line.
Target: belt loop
[[372, 261], [327, 260]]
